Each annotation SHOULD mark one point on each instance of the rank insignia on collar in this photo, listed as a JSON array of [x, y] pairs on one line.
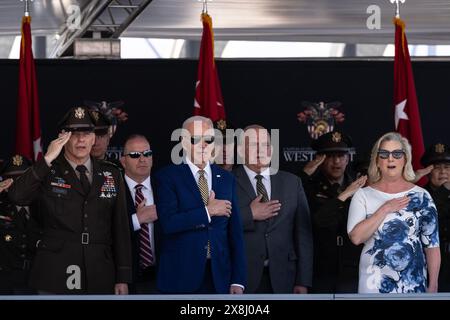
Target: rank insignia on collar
[[79, 113], [8, 238]]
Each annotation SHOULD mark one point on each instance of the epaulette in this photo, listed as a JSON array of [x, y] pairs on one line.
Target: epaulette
[[110, 163]]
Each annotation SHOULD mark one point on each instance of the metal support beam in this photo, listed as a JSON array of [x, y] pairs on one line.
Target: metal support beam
[[110, 18]]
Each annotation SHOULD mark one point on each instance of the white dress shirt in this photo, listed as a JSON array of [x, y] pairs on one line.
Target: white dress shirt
[[265, 180], [149, 200], [208, 176]]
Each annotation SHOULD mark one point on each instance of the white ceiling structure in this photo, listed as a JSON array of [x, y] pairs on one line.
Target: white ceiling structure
[[428, 21]]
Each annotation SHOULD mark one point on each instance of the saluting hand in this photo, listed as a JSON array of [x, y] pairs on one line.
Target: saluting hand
[[422, 172], [55, 147], [352, 188], [4, 185], [312, 166]]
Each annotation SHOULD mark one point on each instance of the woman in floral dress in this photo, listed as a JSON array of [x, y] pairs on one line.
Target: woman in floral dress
[[397, 222]]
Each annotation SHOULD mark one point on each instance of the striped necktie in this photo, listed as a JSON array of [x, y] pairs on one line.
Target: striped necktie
[[145, 252], [261, 189], [203, 186], [204, 191]]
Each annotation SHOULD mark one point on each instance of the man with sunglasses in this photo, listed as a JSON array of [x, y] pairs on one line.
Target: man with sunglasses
[[329, 188], [137, 162], [438, 157], [202, 247], [85, 245]]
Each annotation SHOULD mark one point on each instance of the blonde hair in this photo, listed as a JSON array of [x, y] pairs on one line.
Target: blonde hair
[[374, 172]]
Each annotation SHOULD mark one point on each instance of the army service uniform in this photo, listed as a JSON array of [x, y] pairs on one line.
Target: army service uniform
[[85, 246], [19, 232], [336, 259], [436, 154]]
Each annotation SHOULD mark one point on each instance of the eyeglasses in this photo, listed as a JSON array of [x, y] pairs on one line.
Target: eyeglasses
[[137, 154], [396, 154], [207, 139]]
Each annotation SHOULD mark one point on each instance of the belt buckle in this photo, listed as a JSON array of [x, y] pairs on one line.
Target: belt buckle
[[85, 238], [26, 264], [339, 241]]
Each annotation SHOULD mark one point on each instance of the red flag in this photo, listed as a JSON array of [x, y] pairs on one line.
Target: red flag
[[208, 96], [28, 129], [407, 116]]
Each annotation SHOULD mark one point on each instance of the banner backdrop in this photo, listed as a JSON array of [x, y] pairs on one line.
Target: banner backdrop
[[158, 95]]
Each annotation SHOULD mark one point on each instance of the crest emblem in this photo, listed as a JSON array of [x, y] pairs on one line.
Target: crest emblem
[[17, 160], [320, 117], [95, 115], [336, 137], [221, 124], [439, 148], [8, 238], [79, 113]]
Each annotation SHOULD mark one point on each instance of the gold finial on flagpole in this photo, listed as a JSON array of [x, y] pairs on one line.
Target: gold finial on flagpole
[[397, 7], [27, 7], [205, 5]]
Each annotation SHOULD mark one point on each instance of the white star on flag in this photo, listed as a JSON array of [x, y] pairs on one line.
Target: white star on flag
[[400, 113]]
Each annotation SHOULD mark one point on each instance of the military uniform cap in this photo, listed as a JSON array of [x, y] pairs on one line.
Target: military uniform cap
[[15, 166], [222, 126], [332, 142], [102, 123], [77, 119], [437, 153]]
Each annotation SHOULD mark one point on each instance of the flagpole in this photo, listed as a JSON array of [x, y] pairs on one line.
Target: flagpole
[[397, 7], [26, 7], [205, 5]]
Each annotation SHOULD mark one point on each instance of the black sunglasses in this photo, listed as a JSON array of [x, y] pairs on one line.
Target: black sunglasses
[[207, 139], [137, 154], [396, 154]]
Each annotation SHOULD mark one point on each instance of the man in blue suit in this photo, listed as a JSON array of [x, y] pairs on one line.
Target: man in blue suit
[[202, 247]]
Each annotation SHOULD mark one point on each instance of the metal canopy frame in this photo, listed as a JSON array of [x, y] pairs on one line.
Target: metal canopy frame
[[100, 19]]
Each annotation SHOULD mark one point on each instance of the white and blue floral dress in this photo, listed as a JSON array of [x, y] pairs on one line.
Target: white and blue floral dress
[[393, 259]]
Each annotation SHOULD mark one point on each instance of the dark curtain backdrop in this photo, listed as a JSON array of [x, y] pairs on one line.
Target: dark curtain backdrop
[[158, 96]]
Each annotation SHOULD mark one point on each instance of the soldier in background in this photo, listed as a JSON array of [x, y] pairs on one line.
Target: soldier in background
[[103, 135], [19, 233], [85, 246], [438, 156], [329, 188]]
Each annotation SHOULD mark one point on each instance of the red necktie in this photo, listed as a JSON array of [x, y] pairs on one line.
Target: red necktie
[[145, 252]]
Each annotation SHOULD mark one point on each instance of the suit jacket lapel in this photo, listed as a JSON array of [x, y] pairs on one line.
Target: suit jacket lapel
[[275, 194], [244, 182], [190, 181], [97, 177]]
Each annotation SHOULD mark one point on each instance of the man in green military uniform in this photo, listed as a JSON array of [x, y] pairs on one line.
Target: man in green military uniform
[[19, 232], [329, 189], [438, 156], [85, 247]]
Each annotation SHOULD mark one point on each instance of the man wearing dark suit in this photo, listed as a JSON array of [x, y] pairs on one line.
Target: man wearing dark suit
[[85, 246], [202, 248], [137, 161], [275, 215]]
